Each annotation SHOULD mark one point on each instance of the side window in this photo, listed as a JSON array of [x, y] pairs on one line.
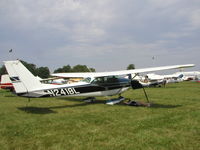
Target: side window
[[112, 79], [105, 80], [99, 80]]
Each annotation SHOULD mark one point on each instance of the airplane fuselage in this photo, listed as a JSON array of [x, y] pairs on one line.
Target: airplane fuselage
[[92, 89]]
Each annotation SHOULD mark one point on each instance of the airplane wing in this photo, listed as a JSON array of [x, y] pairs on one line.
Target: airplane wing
[[122, 72]]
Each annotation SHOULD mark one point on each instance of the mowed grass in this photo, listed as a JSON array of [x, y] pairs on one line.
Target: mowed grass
[[172, 122]]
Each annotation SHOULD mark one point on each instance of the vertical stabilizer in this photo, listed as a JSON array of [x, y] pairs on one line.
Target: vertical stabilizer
[[23, 80]]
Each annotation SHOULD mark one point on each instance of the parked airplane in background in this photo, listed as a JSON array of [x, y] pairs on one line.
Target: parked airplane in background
[[94, 84], [192, 75], [154, 76], [172, 78], [176, 77], [6, 82]]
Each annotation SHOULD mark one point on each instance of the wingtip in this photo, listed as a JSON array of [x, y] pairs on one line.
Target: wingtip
[[187, 66]]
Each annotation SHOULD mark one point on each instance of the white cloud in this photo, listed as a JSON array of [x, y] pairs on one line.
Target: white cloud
[[100, 31], [195, 18]]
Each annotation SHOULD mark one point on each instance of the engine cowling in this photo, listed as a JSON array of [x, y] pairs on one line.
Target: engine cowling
[[135, 84]]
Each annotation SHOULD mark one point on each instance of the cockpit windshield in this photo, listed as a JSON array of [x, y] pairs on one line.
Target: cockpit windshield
[[87, 80]]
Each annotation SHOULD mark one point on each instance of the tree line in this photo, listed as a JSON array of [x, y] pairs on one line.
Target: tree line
[[44, 72], [77, 68]]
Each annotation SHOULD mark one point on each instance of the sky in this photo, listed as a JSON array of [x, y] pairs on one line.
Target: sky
[[104, 34]]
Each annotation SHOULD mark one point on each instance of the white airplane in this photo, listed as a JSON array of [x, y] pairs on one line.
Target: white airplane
[[6, 82], [190, 75], [171, 78], [94, 84], [176, 77]]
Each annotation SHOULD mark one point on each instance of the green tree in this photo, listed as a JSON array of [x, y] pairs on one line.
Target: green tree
[[31, 67], [3, 70], [63, 69], [131, 66], [67, 68], [59, 70], [80, 68], [77, 68], [43, 72], [92, 70]]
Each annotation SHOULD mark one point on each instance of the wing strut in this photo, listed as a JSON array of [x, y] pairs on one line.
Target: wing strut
[[146, 95], [139, 86]]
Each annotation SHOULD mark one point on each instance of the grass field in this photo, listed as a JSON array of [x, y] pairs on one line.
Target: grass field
[[173, 122]]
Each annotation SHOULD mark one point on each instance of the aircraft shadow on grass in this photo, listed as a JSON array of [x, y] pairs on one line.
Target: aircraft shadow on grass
[[154, 105], [36, 110], [48, 110]]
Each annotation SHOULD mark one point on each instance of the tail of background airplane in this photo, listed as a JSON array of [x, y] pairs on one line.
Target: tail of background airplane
[[6, 82], [23, 80], [180, 76]]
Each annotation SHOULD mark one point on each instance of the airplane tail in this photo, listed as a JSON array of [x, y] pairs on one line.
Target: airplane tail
[[23, 80], [180, 76]]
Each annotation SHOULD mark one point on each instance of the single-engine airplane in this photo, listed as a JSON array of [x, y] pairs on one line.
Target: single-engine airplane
[[94, 84]]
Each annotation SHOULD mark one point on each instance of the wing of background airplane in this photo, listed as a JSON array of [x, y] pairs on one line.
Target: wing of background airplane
[[123, 72]]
